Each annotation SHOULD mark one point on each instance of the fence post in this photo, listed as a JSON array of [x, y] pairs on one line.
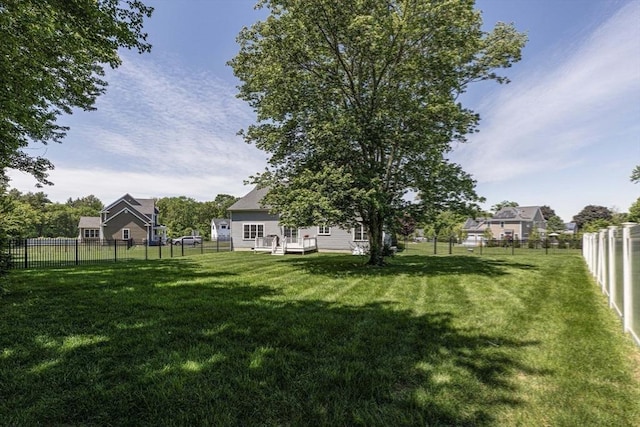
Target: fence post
[[611, 267], [450, 245], [435, 244], [77, 254], [115, 250], [602, 252], [627, 254], [26, 252]]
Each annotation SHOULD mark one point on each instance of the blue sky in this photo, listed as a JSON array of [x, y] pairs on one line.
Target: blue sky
[[565, 133]]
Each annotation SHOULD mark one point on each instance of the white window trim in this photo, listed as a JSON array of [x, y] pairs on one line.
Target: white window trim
[[126, 231], [295, 230], [362, 232], [91, 233], [257, 224], [323, 230]]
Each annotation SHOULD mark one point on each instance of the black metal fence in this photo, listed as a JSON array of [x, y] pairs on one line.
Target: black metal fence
[[499, 247], [45, 252]]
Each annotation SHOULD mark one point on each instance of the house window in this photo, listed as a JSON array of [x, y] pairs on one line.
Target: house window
[[360, 234], [91, 233], [126, 234], [324, 230], [223, 226], [251, 231], [290, 233], [501, 224]]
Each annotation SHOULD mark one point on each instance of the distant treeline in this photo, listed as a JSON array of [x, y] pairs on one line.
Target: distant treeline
[[35, 215]]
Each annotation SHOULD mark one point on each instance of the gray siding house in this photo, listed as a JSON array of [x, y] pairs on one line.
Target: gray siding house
[[252, 225], [508, 223], [127, 218]]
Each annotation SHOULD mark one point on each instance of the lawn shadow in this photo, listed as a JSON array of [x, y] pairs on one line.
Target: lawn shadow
[[228, 353], [410, 265]]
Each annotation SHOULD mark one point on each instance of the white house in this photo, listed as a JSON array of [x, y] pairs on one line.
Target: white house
[[220, 229], [254, 227]]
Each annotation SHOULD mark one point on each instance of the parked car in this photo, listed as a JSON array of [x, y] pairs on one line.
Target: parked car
[[473, 242], [187, 240]]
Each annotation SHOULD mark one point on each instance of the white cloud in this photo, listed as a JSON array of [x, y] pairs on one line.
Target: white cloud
[[108, 185], [546, 118], [161, 116], [160, 130]]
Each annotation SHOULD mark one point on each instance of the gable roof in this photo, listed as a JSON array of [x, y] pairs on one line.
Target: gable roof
[[217, 221], [477, 224], [89, 222], [143, 206], [251, 201], [517, 213]]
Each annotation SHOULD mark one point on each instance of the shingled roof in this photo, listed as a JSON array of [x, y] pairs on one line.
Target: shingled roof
[[251, 201], [517, 213]]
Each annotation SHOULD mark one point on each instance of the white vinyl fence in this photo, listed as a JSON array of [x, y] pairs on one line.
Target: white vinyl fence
[[613, 257]]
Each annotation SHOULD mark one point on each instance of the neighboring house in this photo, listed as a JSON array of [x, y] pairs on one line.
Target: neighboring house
[[127, 218], [475, 230], [220, 229], [570, 228], [253, 227], [90, 228], [516, 223]]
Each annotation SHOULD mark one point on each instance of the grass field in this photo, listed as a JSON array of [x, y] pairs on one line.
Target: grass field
[[248, 339]]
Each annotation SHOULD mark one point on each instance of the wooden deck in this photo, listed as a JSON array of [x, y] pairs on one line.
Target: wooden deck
[[283, 246]]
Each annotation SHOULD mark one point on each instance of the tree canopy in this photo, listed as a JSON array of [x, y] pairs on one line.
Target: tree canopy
[[635, 175], [52, 58], [634, 211], [547, 212], [504, 204], [555, 224], [357, 105], [591, 213], [184, 215]]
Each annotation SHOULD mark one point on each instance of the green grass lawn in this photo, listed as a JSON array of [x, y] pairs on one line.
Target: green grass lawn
[[247, 339]]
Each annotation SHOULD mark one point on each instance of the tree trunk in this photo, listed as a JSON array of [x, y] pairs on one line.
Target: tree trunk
[[376, 246]]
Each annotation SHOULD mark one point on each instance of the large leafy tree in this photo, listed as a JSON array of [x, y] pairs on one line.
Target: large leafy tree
[[635, 175], [555, 224], [357, 104], [547, 212], [591, 214], [86, 206], [52, 58], [634, 211]]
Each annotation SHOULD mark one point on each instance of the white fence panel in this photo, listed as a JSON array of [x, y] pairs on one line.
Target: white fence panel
[[613, 258]]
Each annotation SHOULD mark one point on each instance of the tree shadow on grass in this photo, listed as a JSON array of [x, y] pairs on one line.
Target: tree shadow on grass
[[234, 356], [411, 265]]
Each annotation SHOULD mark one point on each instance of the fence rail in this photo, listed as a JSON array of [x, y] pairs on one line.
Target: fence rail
[[35, 253], [503, 247], [613, 257]]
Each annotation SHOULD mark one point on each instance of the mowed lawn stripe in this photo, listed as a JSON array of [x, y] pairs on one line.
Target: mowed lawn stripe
[[246, 339]]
